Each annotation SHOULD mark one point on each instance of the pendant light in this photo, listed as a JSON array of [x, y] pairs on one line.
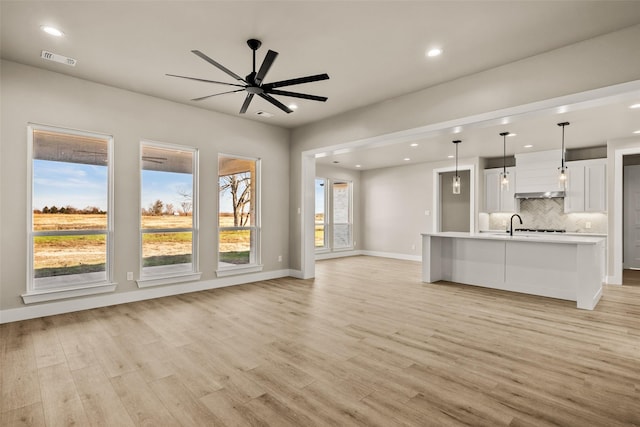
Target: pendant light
[[562, 177], [504, 176], [456, 177]]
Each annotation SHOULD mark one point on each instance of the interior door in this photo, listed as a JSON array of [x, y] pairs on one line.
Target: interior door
[[631, 223]]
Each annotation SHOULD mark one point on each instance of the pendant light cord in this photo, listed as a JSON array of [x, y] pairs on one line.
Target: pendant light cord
[[563, 124]]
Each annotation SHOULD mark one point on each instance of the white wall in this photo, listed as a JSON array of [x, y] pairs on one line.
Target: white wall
[[34, 95], [610, 59]]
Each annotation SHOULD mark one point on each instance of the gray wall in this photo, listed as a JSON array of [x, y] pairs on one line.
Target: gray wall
[[548, 75], [398, 206], [34, 95]]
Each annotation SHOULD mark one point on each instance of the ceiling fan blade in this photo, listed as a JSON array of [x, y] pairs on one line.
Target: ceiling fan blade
[[297, 81], [204, 80], [216, 94], [246, 103], [266, 65], [275, 102], [298, 95], [219, 66]]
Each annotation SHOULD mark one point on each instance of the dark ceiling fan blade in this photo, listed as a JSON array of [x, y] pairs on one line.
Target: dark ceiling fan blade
[[297, 81], [246, 103], [266, 65], [216, 94], [203, 80], [297, 95], [275, 102], [219, 66]]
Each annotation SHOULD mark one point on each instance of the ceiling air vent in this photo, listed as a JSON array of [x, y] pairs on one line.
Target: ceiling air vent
[[50, 56]]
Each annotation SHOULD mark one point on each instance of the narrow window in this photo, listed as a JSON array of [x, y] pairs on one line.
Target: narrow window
[[70, 227], [238, 213], [321, 217], [168, 210], [342, 218]]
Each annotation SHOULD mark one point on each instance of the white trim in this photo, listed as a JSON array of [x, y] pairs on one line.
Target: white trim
[[472, 195], [618, 170], [167, 280], [393, 255], [306, 212], [234, 271], [337, 254], [64, 293], [59, 307]]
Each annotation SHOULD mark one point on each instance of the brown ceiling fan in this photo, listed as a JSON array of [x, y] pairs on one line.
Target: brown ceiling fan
[[254, 84]]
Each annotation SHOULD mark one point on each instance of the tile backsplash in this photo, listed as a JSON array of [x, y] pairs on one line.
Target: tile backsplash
[[549, 213]]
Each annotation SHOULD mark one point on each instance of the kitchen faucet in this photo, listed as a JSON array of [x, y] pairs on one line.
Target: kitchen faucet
[[511, 228]]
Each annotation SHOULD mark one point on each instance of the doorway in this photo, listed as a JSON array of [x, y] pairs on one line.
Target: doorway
[[631, 212], [455, 208]]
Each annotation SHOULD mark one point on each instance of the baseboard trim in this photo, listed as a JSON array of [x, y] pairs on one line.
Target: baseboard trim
[[34, 311], [338, 254], [393, 255]]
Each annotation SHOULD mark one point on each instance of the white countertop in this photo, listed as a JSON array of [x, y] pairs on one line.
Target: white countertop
[[567, 233], [530, 238]]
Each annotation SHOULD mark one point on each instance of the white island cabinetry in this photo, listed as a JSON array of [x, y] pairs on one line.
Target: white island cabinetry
[[564, 267]]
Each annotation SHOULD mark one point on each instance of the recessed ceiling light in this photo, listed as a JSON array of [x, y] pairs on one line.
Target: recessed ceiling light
[[52, 31], [450, 157], [358, 166], [512, 134], [436, 51], [264, 114], [414, 144], [635, 106], [528, 146], [293, 106], [637, 131], [406, 159]]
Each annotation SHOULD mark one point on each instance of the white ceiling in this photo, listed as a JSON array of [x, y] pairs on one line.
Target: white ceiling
[[372, 50]]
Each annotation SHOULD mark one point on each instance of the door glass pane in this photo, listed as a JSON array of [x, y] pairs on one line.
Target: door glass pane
[[320, 214]]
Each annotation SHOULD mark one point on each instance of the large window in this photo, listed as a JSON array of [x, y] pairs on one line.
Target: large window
[[168, 210], [70, 228], [238, 214]]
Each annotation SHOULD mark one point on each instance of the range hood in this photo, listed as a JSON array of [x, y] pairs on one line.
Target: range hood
[[537, 175], [540, 195]]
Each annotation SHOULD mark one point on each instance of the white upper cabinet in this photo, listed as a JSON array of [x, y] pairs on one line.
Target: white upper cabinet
[[586, 186], [496, 199]]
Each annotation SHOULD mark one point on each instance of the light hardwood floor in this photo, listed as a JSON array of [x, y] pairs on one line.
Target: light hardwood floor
[[365, 343]]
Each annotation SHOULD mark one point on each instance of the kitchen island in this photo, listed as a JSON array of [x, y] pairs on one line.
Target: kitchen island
[[564, 267]]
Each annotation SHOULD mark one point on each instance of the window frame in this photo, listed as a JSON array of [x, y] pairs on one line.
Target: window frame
[[349, 224], [68, 290], [256, 228], [170, 277], [327, 214]]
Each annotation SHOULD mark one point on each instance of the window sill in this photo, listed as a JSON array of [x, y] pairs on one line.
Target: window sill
[[167, 280], [232, 271], [69, 292]]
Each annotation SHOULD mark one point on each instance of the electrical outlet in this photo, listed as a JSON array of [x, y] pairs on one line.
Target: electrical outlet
[[279, 258], [129, 275], [587, 225], [427, 213]]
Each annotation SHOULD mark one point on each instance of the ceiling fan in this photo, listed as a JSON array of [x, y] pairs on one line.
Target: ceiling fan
[[254, 84]]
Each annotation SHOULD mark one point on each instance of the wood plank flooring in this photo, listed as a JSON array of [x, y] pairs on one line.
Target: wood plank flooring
[[364, 344]]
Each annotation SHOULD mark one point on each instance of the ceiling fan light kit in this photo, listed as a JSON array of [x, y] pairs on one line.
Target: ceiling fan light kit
[[254, 84]]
